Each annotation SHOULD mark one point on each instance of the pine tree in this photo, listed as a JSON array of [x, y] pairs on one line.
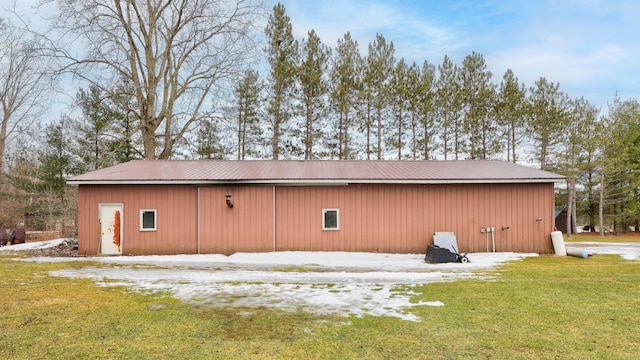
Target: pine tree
[[426, 98], [399, 105], [548, 118], [510, 111], [378, 70], [282, 51], [414, 103], [247, 98], [619, 187], [477, 96], [314, 88], [93, 129], [208, 142], [346, 82], [448, 106], [573, 152], [40, 175]]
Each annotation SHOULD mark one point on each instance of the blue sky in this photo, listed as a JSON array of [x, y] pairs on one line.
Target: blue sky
[[590, 47]]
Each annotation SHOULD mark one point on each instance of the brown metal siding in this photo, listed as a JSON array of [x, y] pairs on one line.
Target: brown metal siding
[[247, 227], [176, 218], [375, 218], [403, 218]]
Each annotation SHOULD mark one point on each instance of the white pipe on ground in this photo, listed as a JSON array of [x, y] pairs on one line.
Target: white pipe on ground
[[579, 252]]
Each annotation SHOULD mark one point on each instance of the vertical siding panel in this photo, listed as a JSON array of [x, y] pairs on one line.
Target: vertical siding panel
[[462, 215], [346, 203], [469, 218], [519, 225], [340, 200], [464, 240], [506, 239], [527, 219], [415, 235], [459, 215], [478, 237], [280, 214], [373, 230], [368, 211], [516, 222], [362, 218], [352, 228], [420, 240], [449, 202], [505, 215], [308, 240], [485, 215], [530, 216], [500, 219], [404, 218], [423, 196], [387, 219], [378, 198], [357, 228]]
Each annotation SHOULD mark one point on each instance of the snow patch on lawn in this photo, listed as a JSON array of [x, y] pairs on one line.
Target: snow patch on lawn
[[332, 283], [34, 245], [325, 283]]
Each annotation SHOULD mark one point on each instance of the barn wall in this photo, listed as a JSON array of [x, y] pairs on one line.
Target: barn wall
[[403, 218], [375, 218], [176, 218], [247, 227]]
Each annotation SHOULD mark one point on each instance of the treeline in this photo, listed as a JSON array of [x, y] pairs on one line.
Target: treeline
[[314, 102]]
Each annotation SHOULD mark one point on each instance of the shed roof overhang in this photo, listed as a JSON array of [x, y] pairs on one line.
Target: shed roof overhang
[[289, 182], [313, 173]]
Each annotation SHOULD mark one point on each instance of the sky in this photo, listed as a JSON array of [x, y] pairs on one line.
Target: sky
[[327, 283], [589, 47]]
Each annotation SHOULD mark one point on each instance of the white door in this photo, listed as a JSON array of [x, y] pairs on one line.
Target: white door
[[111, 228]]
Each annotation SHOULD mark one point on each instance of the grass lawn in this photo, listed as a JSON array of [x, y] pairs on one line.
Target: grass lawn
[[593, 236], [538, 308]]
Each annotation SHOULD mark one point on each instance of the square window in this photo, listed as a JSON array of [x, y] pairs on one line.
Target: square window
[[330, 219], [147, 220]]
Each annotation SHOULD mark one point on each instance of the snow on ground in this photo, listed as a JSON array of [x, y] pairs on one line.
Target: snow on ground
[[334, 283], [34, 245], [628, 251]]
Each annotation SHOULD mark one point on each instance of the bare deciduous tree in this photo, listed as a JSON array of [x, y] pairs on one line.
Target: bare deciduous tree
[[174, 53], [23, 83]]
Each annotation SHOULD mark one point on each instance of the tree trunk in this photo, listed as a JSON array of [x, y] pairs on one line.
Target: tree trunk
[[601, 205], [149, 142], [570, 193], [368, 126]]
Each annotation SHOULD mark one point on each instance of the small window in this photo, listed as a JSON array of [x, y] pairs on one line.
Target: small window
[[330, 219], [147, 220]]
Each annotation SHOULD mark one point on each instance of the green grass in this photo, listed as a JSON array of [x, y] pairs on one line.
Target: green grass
[[539, 308], [592, 236]]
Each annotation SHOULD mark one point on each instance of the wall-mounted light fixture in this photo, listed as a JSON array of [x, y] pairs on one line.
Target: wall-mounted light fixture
[[229, 203], [539, 219], [506, 227]]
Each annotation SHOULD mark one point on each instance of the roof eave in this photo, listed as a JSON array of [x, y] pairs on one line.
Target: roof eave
[[298, 182]]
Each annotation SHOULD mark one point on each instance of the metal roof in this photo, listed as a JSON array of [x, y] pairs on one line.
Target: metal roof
[[310, 172]]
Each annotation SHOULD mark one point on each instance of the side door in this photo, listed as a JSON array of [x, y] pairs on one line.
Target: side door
[[111, 228]]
